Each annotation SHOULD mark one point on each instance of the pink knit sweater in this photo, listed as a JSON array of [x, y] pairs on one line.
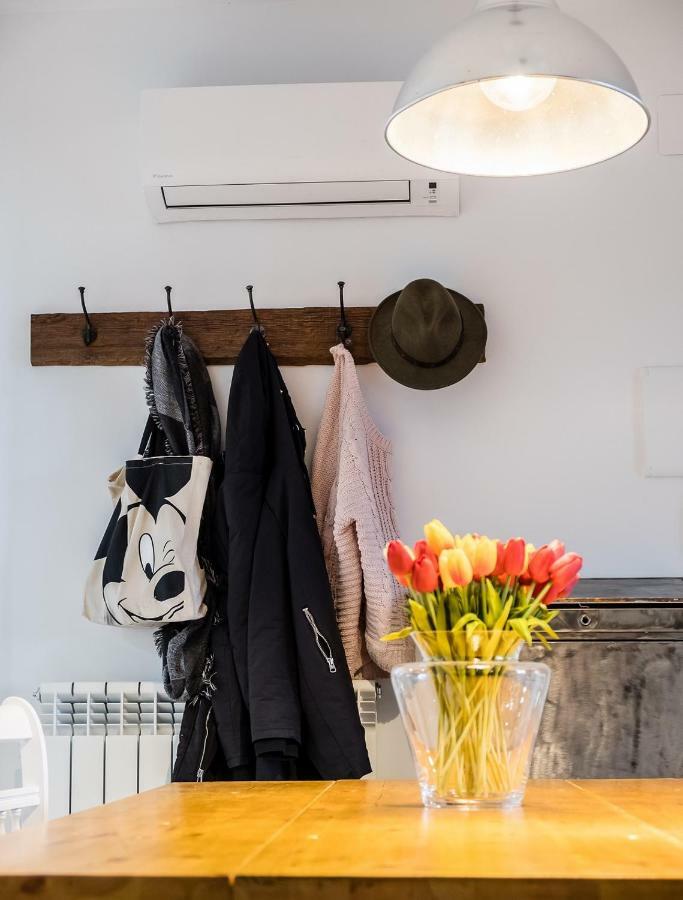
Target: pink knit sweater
[[352, 493]]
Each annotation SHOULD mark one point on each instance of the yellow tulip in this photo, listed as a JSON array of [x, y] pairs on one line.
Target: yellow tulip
[[454, 568], [438, 537], [486, 556], [468, 544]]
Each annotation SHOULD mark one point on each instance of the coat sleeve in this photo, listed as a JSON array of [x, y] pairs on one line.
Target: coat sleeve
[[273, 679]]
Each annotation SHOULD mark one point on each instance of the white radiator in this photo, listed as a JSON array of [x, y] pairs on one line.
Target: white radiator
[[108, 740]]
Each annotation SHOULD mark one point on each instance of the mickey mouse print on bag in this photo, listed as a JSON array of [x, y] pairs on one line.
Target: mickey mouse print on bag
[[146, 571]]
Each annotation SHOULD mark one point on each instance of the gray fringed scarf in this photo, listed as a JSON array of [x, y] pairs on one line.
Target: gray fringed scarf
[[182, 405], [179, 393]]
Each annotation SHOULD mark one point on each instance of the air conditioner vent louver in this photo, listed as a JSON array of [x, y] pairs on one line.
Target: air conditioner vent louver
[[306, 193]]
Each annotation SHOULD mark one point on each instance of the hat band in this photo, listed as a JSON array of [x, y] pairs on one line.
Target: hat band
[[425, 365]]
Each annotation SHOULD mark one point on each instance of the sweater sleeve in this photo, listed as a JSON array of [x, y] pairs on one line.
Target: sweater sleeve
[[348, 591], [384, 597], [337, 530]]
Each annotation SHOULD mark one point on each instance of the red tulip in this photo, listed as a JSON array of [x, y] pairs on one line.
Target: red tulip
[[422, 548], [552, 595], [558, 548], [425, 576], [557, 593], [514, 558], [540, 564], [565, 570], [570, 587], [400, 561]]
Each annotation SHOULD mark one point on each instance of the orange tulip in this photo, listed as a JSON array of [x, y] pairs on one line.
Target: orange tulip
[[524, 578], [454, 568], [438, 537], [499, 571]]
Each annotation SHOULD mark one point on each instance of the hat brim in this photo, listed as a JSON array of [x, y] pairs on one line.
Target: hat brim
[[423, 378]]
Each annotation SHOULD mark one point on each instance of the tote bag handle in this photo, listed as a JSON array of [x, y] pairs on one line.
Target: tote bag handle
[[147, 444]]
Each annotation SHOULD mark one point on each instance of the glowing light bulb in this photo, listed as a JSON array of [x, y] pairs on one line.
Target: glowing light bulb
[[518, 93]]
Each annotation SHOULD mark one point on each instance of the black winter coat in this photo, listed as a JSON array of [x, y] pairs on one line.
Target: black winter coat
[[284, 704]]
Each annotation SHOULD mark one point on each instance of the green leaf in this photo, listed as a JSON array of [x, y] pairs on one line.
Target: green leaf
[[430, 606], [443, 645], [467, 619], [540, 637], [532, 608], [489, 650], [398, 635], [521, 626], [419, 616], [493, 599], [441, 623], [453, 602], [543, 626], [502, 618]]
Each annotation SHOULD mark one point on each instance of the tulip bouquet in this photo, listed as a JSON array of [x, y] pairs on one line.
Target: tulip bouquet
[[472, 601], [475, 598]]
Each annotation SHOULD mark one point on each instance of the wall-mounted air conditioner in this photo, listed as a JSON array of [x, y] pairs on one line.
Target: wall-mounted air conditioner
[[284, 151]]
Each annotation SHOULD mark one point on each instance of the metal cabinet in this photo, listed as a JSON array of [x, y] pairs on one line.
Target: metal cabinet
[[615, 706]]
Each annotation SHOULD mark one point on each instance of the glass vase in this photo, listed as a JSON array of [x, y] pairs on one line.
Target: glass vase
[[472, 725]]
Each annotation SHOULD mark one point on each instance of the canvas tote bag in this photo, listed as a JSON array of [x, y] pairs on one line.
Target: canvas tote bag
[[146, 571]]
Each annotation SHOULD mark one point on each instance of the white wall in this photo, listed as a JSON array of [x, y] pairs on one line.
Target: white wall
[[582, 276]]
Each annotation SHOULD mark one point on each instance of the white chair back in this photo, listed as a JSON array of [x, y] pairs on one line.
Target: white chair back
[[24, 804]]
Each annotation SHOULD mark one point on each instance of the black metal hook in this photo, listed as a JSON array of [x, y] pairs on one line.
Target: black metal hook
[[89, 331], [257, 325], [344, 330], [168, 290]]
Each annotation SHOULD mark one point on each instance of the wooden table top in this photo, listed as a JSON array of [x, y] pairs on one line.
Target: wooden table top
[[368, 839]]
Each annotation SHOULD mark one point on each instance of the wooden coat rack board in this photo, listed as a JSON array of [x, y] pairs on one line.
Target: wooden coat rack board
[[297, 337]]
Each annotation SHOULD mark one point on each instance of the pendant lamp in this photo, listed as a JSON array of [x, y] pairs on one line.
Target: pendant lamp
[[518, 88]]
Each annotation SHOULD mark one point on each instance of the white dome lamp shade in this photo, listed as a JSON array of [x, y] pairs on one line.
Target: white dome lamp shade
[[518, 88]]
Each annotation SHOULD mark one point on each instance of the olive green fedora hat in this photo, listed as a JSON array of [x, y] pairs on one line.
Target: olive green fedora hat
[[427, 336]]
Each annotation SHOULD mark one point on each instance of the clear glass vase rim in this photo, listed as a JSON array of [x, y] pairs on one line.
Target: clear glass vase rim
[[477, 664]]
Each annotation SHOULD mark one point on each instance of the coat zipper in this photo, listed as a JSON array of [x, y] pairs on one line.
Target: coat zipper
[[321, 641], [200, 770]]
